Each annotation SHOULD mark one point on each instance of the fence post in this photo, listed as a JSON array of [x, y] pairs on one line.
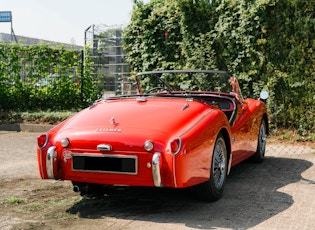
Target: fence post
[[82, 75], [117, 61]]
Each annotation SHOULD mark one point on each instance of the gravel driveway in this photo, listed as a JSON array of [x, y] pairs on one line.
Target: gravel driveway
[[277, 194]]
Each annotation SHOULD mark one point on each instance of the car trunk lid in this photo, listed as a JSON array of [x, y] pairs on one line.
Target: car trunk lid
[[129, 122]]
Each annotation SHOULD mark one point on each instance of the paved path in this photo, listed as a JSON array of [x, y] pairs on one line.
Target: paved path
[[277, 194]]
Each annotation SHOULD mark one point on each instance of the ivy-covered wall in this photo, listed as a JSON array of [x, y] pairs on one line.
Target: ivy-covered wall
[[40, 77], [267, 44]]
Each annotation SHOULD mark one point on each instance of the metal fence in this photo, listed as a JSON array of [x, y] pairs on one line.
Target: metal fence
[[108, 56]]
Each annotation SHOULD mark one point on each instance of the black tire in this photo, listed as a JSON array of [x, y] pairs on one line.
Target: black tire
[[212, 189], [259, 156]]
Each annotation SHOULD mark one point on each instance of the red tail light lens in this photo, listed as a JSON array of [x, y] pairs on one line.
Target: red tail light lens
[[42, 140], [176, 145]]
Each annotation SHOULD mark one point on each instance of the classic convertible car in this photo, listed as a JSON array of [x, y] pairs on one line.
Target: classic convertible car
[[182, 128]]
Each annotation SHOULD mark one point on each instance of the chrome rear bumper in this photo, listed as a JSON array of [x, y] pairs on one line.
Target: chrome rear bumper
[[51, 164]]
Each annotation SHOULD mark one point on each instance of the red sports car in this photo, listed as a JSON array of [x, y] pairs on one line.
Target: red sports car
[[181, 128]]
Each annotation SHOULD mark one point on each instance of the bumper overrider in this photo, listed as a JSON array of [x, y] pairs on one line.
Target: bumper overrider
[[156, 169], [51, 162]]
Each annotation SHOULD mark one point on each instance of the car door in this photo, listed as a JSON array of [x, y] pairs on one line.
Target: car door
[[243, 133]]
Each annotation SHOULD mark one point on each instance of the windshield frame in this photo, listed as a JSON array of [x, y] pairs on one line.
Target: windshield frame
[[235, 89]]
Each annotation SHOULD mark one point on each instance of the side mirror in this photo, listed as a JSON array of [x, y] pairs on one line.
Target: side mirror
[[264, 95]]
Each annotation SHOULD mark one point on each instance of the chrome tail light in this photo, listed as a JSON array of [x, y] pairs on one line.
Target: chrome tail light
[[148, 146], [42, 140], [176, 145]]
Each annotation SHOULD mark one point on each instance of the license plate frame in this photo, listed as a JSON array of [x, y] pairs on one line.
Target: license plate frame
[[118, 164]]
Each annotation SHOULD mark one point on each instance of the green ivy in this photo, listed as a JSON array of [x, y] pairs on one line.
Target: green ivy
[[267, 44], [22, 68]]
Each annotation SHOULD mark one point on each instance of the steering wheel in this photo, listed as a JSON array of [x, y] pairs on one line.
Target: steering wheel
[[158, 89]]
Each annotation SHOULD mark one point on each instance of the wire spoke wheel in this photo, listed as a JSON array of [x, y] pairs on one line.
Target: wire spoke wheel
[[212, 189], [262, 139], [259, 156], [219, 164]]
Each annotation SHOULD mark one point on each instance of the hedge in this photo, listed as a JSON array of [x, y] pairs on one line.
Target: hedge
[[41, 77]]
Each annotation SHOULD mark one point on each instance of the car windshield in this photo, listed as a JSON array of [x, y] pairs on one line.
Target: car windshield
[[187, 81]]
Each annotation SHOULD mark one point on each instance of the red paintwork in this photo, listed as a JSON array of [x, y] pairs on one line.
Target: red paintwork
[[160, 120]]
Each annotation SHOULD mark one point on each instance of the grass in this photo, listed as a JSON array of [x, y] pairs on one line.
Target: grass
[[15, 200]]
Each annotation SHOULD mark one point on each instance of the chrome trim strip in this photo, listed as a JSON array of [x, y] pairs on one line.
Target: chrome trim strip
[[156, 169], [234, 111], [230, 164], [179, 147], [51, 157], [46, 141], [185, 106], [174, 170]]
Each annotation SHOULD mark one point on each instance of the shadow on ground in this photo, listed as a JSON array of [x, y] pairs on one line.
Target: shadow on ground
[[251, 196]]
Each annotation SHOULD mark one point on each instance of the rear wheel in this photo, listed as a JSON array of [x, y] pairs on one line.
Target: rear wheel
[[259, 156], [212, 189]]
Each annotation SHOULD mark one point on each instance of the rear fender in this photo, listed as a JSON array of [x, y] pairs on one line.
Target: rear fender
[[197, 150], [48, 161]]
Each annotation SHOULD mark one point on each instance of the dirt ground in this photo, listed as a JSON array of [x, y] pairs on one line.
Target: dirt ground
[[277, 194]]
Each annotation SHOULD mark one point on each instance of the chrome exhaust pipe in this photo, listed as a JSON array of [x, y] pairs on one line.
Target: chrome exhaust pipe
[[76, 188]]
